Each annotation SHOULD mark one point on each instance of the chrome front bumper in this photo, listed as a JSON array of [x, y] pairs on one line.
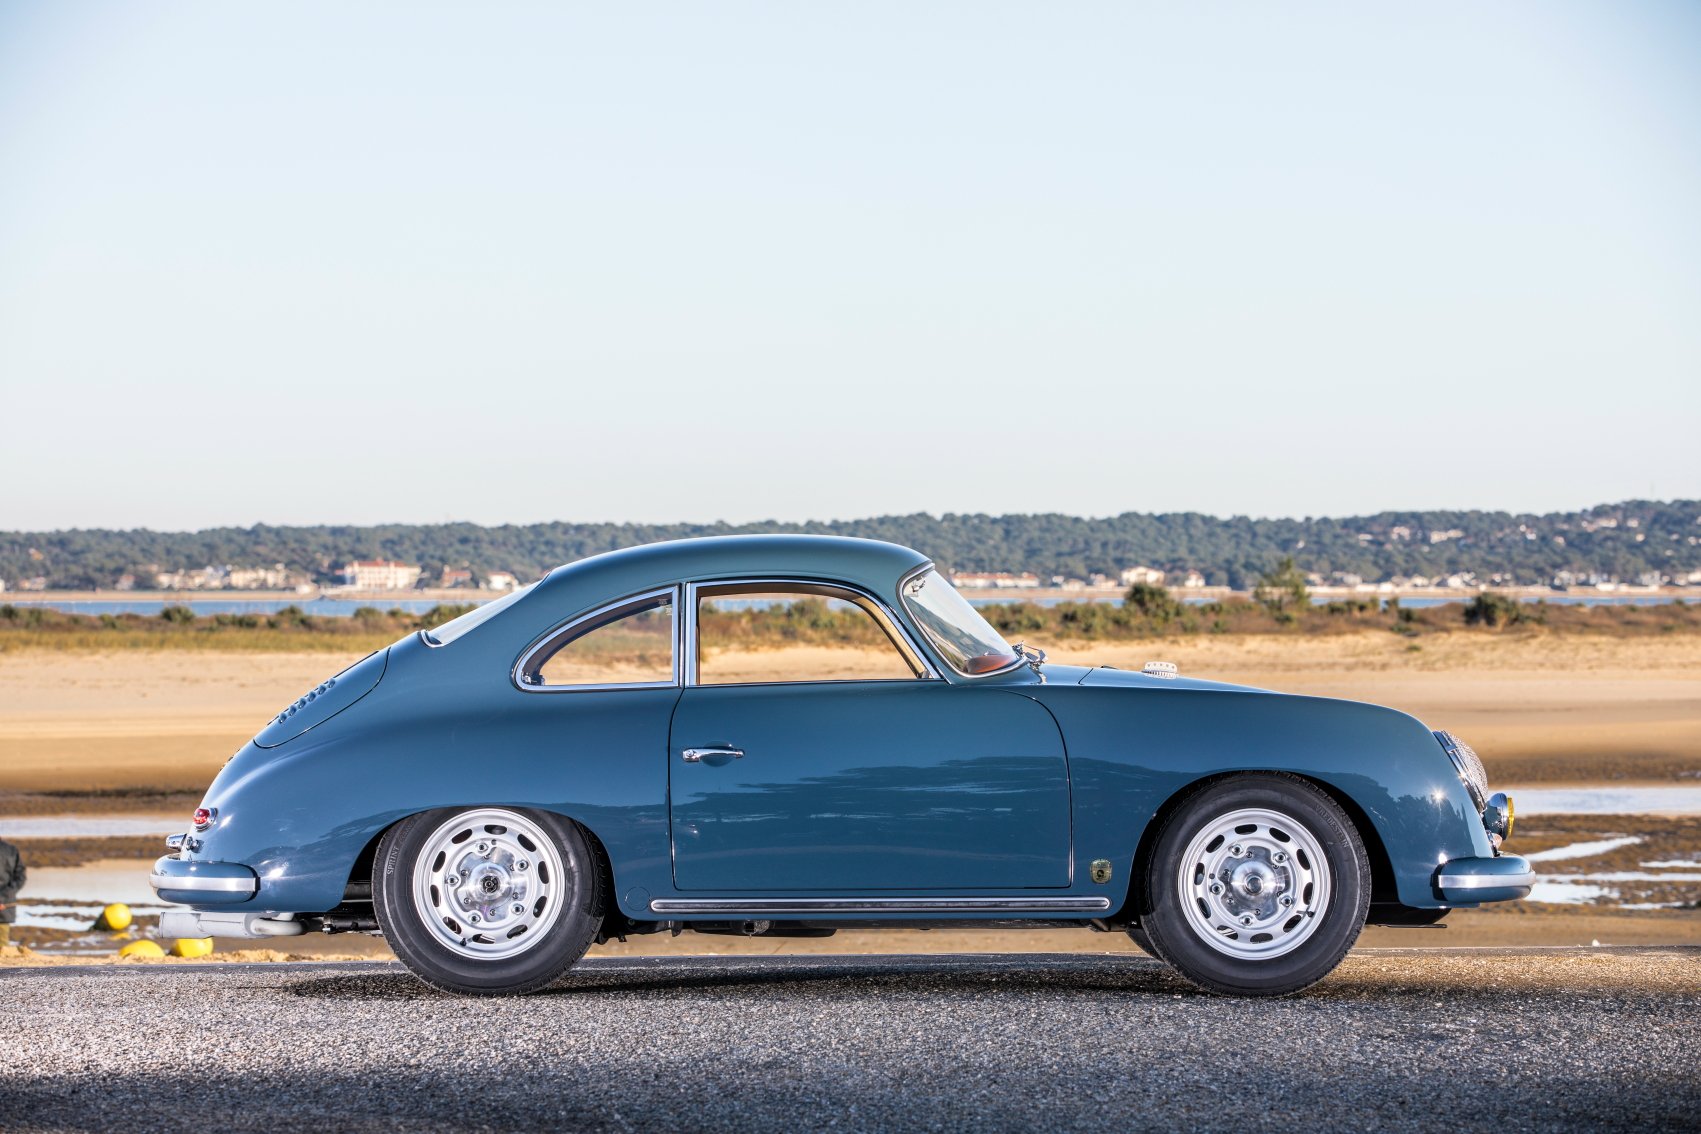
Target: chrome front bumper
[[1473, 881]]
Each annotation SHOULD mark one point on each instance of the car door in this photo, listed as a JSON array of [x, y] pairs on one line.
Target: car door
[[813, 751]]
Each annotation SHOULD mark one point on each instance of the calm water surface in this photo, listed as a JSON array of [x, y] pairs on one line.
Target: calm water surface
[[342, 608]]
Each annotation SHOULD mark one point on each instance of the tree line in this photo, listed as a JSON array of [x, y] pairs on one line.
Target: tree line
[[1624, 540]]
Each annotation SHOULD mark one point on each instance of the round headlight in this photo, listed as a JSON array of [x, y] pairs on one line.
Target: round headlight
[[1468, 765]]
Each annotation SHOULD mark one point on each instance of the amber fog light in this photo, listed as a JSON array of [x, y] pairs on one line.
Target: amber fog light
[[1497, 817]]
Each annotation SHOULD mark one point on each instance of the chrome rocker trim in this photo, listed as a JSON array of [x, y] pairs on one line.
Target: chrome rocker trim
[[875, 905]]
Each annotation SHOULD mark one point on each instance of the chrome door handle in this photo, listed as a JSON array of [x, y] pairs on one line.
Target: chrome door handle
[[694, 755]]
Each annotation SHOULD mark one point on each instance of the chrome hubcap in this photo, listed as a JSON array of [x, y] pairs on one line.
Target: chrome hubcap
[[1254, 883], [489, 884]]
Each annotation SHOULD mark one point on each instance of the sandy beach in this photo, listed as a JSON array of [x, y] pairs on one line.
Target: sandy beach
[[1541, 709], [132, 732]]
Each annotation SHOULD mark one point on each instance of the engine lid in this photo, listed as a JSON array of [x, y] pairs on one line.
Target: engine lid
[[324, 700]]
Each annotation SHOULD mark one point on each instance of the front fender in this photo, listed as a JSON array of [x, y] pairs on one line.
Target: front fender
[[1132, 749]]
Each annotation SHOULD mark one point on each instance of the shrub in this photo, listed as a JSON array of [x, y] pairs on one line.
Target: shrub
[[1283, 588], [1489, 609], [1152, 602]]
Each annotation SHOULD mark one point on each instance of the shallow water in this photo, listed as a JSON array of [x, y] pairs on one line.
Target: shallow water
[[1584, 850], [71, 897], [1561, 893], [97, 883], [92, 826], [1675, 800]]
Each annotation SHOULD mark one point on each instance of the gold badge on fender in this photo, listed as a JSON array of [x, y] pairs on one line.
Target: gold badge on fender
[[1101, 870]]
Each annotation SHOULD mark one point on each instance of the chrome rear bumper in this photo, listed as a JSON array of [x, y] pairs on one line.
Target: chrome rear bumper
[[202, 883]]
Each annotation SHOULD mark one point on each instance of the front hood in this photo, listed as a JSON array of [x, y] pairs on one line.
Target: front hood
[[1105, 675]]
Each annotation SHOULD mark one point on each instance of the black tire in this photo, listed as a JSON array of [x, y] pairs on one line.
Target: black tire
[[1211, 950], [1138, 935], [573, 923]]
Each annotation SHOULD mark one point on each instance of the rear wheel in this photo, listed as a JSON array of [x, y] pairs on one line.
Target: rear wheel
[[488, 900], [1258, 886]]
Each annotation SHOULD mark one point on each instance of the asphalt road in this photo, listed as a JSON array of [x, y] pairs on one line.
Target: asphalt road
[[1397, 1040]]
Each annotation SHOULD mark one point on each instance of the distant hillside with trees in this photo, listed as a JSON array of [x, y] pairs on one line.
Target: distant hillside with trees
[[1636, 540]]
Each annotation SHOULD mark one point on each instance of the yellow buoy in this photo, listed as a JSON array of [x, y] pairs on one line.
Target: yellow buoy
[[114, 917], [142, 948], [192, 947]]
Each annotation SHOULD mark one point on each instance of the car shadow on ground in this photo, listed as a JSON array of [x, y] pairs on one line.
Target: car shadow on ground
[[786, 976], [979, 975]]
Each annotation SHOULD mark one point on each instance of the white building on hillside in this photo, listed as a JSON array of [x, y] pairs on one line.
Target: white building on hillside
[[380, 575], [500, 581], [1151, 575], [987, 580]]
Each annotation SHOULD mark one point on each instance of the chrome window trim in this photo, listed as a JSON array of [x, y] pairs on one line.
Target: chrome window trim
[[892, 626], [433, 644], [556, 635], [904, 582], [876, 905]]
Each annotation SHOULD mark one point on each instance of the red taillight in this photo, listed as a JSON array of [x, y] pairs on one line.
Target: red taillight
[[203, 818]]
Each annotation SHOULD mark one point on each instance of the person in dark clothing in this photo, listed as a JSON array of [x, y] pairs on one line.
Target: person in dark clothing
[[11, 881]]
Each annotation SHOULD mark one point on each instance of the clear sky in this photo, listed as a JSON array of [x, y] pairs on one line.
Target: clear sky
[[301, 263]]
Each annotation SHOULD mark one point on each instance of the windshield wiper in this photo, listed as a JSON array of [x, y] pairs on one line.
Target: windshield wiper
[[1034, 656]]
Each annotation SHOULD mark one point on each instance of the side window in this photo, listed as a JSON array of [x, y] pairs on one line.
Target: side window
[[631, 644], [751, 632]]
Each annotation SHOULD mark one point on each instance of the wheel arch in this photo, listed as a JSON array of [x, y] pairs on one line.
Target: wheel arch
[[1382, 884], [360, 871]]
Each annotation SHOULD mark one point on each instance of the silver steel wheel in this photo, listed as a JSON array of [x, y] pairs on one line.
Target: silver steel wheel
[[1254, 883], [489, 884]]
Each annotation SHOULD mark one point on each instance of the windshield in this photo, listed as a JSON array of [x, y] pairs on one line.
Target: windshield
[[474, 618], [963, 638]]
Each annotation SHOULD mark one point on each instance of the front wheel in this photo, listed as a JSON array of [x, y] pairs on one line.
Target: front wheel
[[488, 900], [1258, 886]]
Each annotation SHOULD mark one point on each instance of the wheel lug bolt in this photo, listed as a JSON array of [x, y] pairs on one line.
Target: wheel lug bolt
[[472, 917], [451, 879], [521, 864], [482, 848], [1286, 899], [1246, 919], [518, 908], [1279, 857], [1216, 887], [1237, 850]]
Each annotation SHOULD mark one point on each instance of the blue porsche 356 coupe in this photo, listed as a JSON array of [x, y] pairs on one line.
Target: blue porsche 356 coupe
[[786, 735]]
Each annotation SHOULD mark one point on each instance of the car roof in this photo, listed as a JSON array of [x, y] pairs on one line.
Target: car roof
[[870, 563]]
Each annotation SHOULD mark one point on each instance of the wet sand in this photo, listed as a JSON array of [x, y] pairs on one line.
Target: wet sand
[[1515, 925]]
